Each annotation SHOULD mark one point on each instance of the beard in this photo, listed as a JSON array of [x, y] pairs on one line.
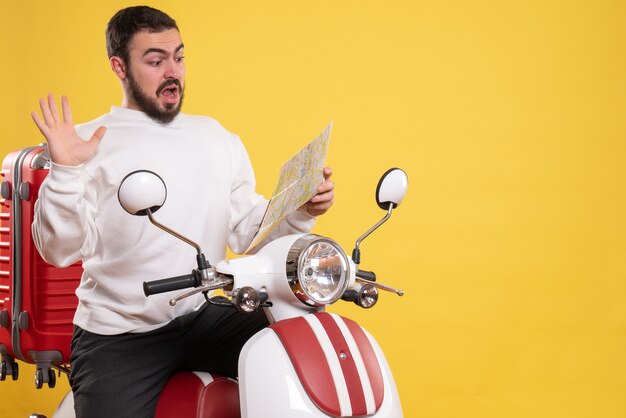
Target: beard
[[150, 106]]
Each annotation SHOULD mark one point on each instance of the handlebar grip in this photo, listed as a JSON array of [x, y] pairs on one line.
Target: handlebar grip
[[367, 275], [173, 283]]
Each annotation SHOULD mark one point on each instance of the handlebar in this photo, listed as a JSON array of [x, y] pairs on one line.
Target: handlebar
[[366, 275], [173, 283]]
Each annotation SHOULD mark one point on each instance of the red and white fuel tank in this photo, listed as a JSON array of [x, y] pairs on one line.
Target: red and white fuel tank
[[321, 365]]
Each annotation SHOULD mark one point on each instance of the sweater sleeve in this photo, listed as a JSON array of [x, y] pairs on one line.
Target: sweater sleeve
[[63, 226], [248, 207]]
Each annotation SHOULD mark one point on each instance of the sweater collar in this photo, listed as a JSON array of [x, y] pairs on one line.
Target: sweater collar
[[138, 115]]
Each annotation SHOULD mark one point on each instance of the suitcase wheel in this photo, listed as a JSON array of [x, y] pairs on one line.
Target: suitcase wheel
[[39, 378], [16, 370], [52, 378], [42, 377], [4, 370]]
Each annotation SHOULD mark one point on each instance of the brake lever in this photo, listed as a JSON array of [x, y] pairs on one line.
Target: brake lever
[[215, 284], [381, 286]]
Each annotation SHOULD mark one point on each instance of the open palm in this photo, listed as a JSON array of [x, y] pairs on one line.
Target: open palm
[[66, 146]]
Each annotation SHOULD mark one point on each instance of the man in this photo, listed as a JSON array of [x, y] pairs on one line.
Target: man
[[125, 346]]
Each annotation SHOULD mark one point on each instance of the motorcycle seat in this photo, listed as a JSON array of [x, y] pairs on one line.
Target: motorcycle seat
[[199, 395]]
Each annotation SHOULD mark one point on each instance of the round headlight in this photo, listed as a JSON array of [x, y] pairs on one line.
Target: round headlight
[[317, 270]]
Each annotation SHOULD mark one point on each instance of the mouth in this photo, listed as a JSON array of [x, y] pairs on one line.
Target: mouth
[[170, 93]]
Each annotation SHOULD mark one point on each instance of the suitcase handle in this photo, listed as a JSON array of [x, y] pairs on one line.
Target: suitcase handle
[[173, 283]]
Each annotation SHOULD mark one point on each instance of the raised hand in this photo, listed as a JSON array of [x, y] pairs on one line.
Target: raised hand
[[66, 147], [323, 200]]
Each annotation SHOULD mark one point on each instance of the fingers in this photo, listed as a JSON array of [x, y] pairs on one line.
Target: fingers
[[321, 205], [325, 191], [98, 135], [45, 112], [40, 123], [67, 112], [50, 113], [54, 110], [317, 209], [326, 185], [324, 199]]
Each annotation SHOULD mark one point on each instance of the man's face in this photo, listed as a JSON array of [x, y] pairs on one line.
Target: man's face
[[155, 74]]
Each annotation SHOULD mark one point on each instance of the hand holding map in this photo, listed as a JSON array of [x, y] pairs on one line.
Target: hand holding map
[[297, 183]]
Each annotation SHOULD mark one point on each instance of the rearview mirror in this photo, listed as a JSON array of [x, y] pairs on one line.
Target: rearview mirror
[[391, 188], [390, 191], [141, 191]]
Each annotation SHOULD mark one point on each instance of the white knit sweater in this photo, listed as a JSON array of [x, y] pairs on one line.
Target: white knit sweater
[[210, 199]]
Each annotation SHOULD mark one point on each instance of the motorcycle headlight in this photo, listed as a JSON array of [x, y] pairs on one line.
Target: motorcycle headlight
[[317, 270]]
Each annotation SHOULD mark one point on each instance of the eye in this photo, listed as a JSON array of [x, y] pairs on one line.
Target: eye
[[155, 63], [180, 59]]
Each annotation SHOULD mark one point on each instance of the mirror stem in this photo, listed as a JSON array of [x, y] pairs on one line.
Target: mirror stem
[[356, 253], [174, 233]]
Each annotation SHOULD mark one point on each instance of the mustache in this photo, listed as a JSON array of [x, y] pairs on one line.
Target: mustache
[[167, 84]]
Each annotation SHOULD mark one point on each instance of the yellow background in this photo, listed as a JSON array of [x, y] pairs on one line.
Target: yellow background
[[509, 118]]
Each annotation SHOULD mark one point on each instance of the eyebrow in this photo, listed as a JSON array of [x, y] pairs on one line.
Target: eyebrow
[[162, 51]]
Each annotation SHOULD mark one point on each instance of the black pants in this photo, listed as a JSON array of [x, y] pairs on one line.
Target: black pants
[[123, 375]]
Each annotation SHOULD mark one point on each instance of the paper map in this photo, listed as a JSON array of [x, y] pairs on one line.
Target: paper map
[[297, 183]]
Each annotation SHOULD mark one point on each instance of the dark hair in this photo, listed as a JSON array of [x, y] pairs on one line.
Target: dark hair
[[127, 22]]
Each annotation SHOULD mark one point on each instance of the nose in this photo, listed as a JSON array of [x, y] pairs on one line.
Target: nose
[[172, 74], [173, 70]]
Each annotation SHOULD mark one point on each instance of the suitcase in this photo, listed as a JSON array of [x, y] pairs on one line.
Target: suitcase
[[38, 300]]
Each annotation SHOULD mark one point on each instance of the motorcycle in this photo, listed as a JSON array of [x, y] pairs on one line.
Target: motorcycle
[[308, 362]]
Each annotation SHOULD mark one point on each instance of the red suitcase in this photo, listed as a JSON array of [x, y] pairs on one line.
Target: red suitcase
[[38, 299]]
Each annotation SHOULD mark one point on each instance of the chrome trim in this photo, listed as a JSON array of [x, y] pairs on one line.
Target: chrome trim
[[367, 296], [293, 275], [244, 295], [372, 229], [172, 232], [381, 286]]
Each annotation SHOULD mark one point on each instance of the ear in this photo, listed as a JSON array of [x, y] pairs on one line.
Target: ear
[[118, 67]]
